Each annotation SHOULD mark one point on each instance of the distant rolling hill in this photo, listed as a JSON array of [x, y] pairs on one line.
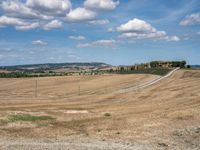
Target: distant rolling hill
[[54, 66], [195, 66]]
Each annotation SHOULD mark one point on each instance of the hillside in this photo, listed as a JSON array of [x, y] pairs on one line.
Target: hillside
[[54, 66], [88, 108]]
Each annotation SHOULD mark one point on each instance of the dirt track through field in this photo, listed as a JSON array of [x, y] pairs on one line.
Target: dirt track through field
[[140, 86]]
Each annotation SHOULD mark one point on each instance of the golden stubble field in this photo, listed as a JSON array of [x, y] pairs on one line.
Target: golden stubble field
[[88, 110]]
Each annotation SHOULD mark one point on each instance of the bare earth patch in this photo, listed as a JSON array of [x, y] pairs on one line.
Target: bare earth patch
[[76, 112]]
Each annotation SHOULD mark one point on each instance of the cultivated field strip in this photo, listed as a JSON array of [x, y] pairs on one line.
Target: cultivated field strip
[[67, 87]]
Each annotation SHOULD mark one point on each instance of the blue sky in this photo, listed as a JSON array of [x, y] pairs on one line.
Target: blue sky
[[118, 32]]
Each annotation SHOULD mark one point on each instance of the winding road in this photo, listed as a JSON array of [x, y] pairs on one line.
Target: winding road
[[147, 84]]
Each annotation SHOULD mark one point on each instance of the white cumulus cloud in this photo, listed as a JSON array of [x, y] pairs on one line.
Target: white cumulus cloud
[[150, 35], [173, 39], [23, 25], [54, 24], [28, 27], [99, 43], [191, 19], [77, 37], [140, 29], [39, 42], [16, 8], [4, 21], [80, 14], [136, 25], [18, 23], [36, 9], [100, 22], [101, 4], [47, 14], [50, 6]]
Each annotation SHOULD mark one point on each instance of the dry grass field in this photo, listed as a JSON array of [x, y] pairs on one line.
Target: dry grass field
[[86, 112]]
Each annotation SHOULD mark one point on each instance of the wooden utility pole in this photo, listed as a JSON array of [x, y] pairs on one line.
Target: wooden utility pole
[[138, 86], [79, 90], [36, 88]]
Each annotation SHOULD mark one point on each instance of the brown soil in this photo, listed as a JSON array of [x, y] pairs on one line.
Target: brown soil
[[88, 113]]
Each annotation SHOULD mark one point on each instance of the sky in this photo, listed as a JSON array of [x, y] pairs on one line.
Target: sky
[[117, 32]]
